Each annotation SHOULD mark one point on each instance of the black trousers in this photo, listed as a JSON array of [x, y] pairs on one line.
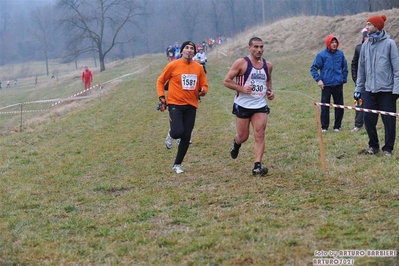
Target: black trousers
[[337, 93], [382, 101], [182, 120]]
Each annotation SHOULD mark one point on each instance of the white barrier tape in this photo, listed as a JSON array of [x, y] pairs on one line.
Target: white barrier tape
[[39, 101], [9, 106], [32, 102], [70, 98], [75, 95], [358, 109], [27, 111]]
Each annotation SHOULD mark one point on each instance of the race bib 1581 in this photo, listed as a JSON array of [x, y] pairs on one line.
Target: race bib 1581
[[188, 81]]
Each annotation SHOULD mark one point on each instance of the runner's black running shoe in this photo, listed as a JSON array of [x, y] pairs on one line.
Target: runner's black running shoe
[[234, 149], [260, 171]]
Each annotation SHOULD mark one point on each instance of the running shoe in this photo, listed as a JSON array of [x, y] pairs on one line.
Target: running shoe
[[371, 151], [355, 129], [388, 153], [234, 150], [177, 168], [169, 142], [260, 171]]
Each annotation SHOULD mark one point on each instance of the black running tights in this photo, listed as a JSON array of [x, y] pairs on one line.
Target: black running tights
[[182, 120]]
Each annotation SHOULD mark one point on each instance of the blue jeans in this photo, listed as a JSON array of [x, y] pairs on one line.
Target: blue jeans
[[383, 101], [338, 96]]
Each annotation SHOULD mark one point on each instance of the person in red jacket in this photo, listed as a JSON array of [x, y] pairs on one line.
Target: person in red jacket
[[87, 77], [187, 81]]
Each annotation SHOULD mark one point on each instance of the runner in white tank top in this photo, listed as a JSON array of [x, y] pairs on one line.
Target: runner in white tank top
[[256, 77], [253, 84]]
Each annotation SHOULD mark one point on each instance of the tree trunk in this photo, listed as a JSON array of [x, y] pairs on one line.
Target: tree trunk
[[102, 63], [45, 55]]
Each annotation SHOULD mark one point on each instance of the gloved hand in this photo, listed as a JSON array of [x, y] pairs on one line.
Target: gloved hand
[[201, 92], [357, 95], [162, 104]]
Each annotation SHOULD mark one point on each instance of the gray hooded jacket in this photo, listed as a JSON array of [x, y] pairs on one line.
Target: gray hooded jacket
[[378, 69]]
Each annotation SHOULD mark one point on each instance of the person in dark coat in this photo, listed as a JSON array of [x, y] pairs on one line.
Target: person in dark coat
[[355, 61]]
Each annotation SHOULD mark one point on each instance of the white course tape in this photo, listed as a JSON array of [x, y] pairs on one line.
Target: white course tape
[[76, 96], [358, 109]]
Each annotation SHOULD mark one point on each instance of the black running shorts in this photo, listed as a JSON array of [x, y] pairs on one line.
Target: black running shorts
[[242, 112]]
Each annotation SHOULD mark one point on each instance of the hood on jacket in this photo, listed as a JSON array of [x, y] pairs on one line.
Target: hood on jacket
[[364, 34], [329, 38]]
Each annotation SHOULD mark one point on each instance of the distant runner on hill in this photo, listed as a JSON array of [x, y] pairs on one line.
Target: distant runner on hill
[[87, 77]]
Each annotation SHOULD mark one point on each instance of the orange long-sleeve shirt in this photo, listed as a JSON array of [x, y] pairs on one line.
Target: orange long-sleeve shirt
[[185, 79]]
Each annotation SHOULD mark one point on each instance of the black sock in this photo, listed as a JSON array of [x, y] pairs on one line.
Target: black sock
[[257, 165], [236, 146]]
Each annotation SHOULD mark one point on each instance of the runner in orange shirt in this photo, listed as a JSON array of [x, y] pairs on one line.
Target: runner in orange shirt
[[187, 81]]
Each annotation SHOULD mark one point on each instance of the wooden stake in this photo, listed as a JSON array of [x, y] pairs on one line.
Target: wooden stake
[[322, 154]]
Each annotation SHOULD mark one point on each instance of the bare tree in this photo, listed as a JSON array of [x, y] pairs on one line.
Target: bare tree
[[102, 28], [192, 18], [231, 11], [42, 28], [216, 15], [7, 43], [97, 24]]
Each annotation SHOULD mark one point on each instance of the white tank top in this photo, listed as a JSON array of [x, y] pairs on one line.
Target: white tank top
[[257, 77]]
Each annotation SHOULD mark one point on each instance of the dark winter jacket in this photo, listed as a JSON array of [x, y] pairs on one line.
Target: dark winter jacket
[[355, 58], [355, 62], [330, 67]]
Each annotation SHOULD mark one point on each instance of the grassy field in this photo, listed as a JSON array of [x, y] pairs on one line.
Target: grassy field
[[90, 182]]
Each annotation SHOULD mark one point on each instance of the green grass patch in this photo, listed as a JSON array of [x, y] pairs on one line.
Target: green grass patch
[[93, 184]]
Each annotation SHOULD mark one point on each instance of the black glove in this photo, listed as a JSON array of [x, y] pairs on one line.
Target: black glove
[[357, 95], [162, 104], [201, 92]]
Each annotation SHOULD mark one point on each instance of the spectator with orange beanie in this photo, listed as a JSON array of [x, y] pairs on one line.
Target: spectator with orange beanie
[[377, 83]]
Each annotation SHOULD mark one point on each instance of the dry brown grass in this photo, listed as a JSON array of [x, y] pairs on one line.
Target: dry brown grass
[[307, 34]]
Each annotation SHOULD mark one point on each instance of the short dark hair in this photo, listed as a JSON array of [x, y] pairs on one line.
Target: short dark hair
[[254, 39]]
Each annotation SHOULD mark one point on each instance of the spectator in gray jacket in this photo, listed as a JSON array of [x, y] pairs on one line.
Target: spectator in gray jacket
[[378, 83]]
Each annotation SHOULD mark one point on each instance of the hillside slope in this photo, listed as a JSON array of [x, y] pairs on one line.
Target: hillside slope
[[303, 34]]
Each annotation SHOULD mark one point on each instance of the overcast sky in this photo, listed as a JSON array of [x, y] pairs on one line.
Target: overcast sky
[[33, 1]]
